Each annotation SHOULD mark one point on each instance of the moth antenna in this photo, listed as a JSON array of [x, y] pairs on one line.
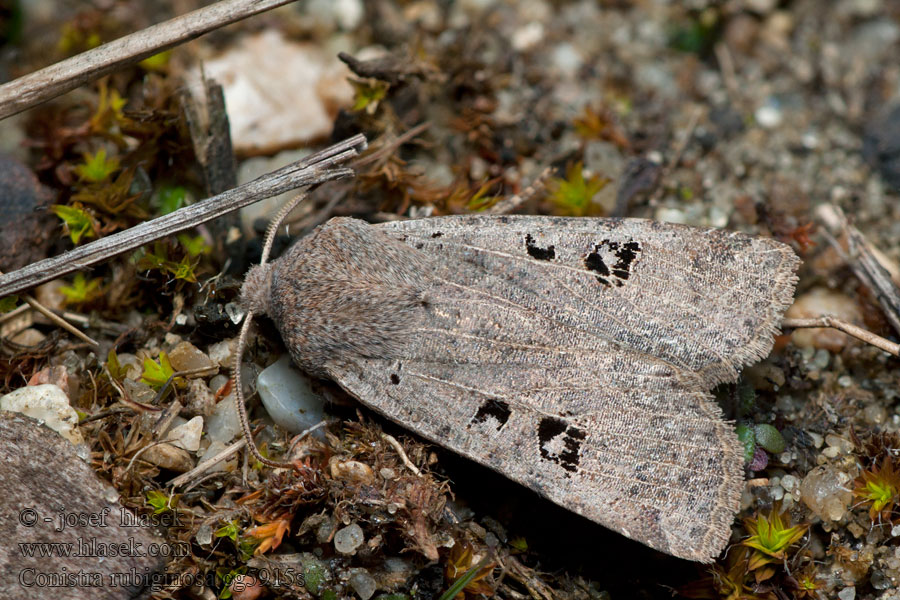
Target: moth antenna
[[271, 230]]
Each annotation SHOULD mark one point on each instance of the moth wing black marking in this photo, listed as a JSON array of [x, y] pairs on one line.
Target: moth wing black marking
[[705, 300], [638, 452], [583, 372]]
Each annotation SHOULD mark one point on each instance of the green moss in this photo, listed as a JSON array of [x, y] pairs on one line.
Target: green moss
[[748, 441]]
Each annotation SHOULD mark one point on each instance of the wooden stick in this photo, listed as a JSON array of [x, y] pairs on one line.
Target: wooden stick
[[208, 464], [869, 265], [55, 80], [848, 328], [507, 205], [58, 320], [314, 169]]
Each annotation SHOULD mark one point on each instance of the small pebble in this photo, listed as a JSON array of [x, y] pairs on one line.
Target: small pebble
[[348, 539], [789, 482], [768, 116], [528, 36], [223, 424], [825, 491], [875, 414], [48, 404], [204, 534], [822, 301], [28, 337], [187, 436], [821, 359], [326, 528], [223, 353], [848, 593], [200, 399], [246, 587], [351, 471], [363, 584], [288, 397], [187, 357], [843, 445], [169, 457]]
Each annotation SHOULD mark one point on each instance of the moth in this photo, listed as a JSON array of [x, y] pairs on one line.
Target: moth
[[573, 355]]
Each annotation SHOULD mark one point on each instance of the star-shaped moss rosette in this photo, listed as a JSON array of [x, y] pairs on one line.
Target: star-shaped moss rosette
[[879, 487], [770, 536]]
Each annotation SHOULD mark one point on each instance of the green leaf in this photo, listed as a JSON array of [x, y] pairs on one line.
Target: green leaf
[[78, 222], [81, 290], [157, 374], [171, 199], [227, 578], [8, 303], [368, 94], [159, 501], [113, 365], [157, 62], [185, 270], [463, 581], [97, 167], [231, 531], [769, 438], [194, 246], [519, 543], [480, 200]]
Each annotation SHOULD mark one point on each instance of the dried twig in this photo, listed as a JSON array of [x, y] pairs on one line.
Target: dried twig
[[59, 321], [507, 205], [208, 464], [868, 264], [399, 448], [314, 169], [726, 65], [848, 328], [55, 80], [685, 138]]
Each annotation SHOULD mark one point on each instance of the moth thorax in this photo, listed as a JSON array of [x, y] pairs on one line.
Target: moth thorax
[[256, 291]]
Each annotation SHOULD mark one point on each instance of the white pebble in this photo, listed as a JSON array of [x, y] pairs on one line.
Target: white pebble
[[222, 353], [348, 539], [768, 116], [288, 397], [848, 593], [223, 424], [363, 584], [48, 404], [528, 36], [187, 436], [789, 482]]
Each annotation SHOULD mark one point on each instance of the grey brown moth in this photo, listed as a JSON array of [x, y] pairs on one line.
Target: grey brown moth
[[573, 355]]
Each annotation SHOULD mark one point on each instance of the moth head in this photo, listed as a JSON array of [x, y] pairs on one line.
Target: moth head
[[255, 293]]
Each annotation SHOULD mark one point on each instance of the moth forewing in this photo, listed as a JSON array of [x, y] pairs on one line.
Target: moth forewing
[[572, 355]]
